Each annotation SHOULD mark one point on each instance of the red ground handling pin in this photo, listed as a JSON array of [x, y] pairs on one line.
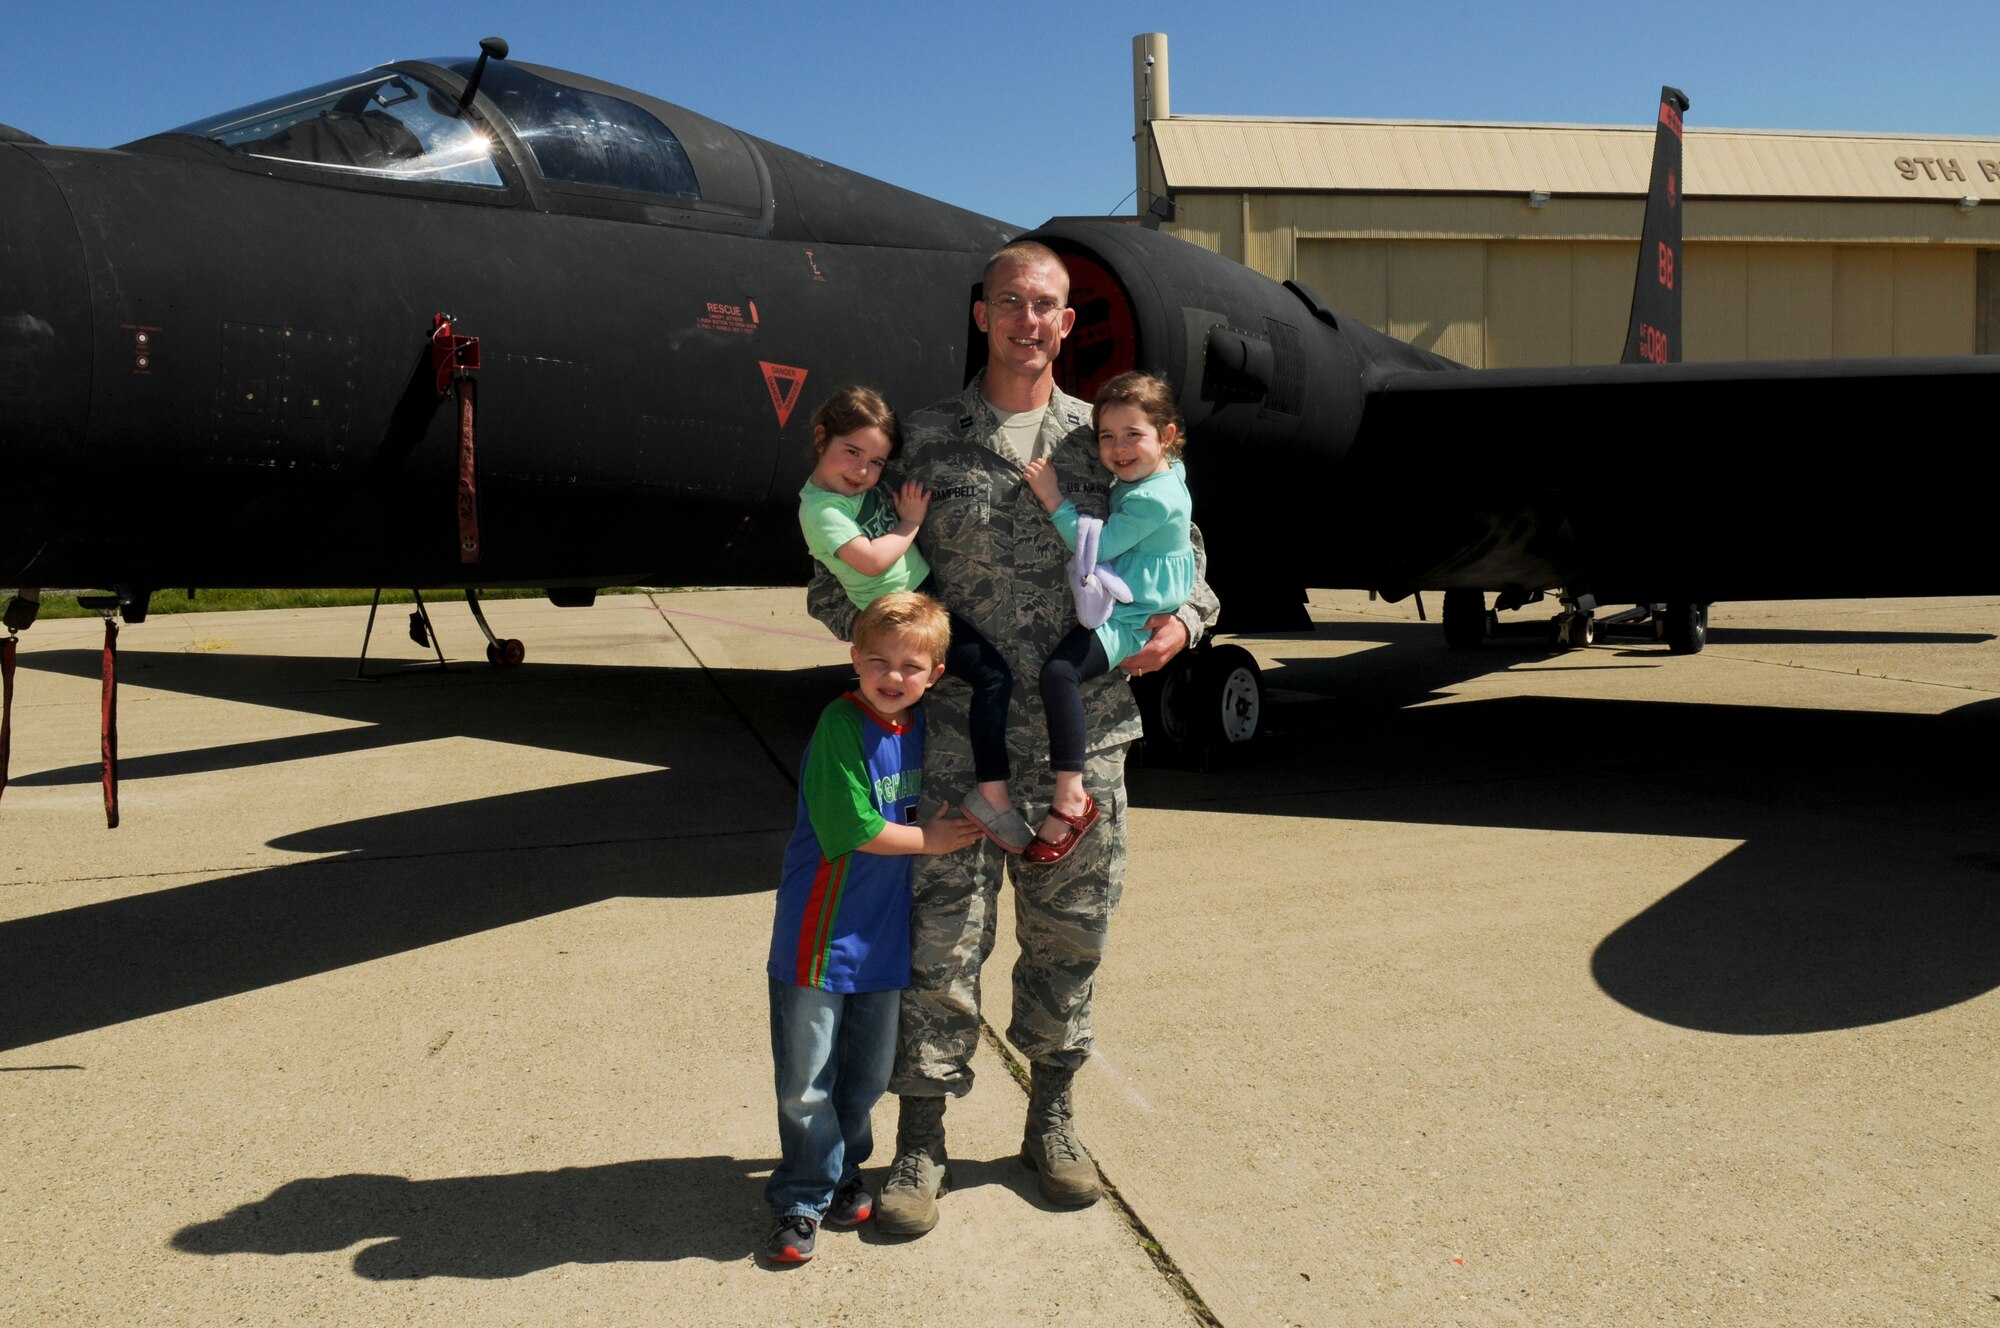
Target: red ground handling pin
[[455, 359]]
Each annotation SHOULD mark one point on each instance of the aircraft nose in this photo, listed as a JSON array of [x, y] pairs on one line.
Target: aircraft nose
[[45, 349]]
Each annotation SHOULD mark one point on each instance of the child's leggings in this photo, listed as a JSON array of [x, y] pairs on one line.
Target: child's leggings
[[973, 658], [1080, 655]]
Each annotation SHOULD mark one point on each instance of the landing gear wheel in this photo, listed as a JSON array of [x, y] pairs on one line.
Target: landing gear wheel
[[1575, 630], [1227, 697], [505, 654], [1210, 697], [1464, 619], [1687, 628], [1163, 703]]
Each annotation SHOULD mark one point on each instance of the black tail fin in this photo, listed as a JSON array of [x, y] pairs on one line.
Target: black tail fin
[[1654, 334]]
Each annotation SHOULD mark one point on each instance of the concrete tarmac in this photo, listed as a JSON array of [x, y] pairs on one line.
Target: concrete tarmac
[[1503, 987]]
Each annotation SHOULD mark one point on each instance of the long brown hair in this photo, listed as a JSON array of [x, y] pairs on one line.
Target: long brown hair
[[1154, 399], [850, 410]]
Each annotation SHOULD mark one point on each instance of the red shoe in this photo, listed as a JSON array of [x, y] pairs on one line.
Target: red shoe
[[1045, 851]]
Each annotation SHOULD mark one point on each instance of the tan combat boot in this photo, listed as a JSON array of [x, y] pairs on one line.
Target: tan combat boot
[[907, 1205], [1068, 1176]]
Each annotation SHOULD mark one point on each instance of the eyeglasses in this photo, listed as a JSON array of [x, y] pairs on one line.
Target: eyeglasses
[[1041, 307]]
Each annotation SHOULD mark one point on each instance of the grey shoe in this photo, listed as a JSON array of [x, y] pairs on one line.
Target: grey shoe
[[1066, 1174], [792, 1242], [1006, 829], [920, 1174], [852, 1205]]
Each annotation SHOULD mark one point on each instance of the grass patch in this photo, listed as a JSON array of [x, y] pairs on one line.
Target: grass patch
[[55, 604]]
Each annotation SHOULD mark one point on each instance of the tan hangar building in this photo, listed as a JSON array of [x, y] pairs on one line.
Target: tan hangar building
[[1504, 245]]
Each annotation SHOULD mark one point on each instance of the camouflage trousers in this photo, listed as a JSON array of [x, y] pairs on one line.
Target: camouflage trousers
[[1062, 919]]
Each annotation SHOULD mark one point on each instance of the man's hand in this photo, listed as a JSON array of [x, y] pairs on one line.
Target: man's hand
[[1041, 476], [947, 834], [1170, 637]]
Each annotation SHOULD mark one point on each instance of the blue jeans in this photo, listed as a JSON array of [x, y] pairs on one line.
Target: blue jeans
[[832, 1053]]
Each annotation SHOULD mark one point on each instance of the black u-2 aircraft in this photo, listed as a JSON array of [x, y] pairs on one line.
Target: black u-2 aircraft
[[226, 353]]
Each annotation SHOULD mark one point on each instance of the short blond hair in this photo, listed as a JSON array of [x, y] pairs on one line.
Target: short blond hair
[[905, 613], [1023, 253]]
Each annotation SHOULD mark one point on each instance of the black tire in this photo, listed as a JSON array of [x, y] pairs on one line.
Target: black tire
[[1149, 691], [1687, 628], [1177, 701], [1464, 619]]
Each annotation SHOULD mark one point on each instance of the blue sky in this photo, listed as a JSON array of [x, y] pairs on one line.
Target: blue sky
[[1022, 111]]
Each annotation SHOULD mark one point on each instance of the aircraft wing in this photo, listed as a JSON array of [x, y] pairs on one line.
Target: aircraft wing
[[1699, 482]]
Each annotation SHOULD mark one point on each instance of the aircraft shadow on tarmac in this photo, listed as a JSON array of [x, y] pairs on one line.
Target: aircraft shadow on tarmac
[[407, 879], [1864, 889], [1867, 885], [1824, 636]]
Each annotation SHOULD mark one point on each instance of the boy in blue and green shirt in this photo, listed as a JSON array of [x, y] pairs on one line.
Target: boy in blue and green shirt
[[840, 947]]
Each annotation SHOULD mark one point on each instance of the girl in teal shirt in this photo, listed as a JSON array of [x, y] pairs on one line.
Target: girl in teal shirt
[[1145, 542]]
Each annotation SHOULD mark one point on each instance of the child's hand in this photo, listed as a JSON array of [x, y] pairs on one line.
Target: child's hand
[[913, 502], [948, 834], [1041, 477]]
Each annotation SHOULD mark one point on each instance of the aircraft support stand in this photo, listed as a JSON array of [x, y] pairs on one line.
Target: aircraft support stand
[[421, 632]]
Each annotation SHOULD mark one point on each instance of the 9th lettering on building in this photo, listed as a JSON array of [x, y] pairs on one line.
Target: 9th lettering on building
[[1943, 168]]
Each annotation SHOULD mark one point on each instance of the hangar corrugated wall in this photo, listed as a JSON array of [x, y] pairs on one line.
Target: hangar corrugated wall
[[1513, 245]]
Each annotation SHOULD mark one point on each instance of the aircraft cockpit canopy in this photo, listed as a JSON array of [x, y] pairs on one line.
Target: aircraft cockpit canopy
[[388, 125], [395, 126], [588, 138]]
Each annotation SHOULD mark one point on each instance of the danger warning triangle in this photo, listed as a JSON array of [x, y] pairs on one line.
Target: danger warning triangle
[[785, 383]]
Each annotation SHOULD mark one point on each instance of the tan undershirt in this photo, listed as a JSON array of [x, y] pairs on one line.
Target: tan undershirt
[[1020, 435]]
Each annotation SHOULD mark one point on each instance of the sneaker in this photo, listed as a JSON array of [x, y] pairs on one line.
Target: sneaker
[[792, 1242], [852, 1205]]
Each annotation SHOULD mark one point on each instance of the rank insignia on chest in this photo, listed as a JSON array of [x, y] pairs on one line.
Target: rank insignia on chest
[[965, 421]]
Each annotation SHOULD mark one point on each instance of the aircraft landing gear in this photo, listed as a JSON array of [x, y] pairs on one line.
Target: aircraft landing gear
[[1576, 626], [501, 654], [1467, 623], [1208, 698], [1685, 627]]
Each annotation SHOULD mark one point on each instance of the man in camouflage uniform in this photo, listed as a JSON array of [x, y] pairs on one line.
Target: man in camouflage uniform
[[997, 562]]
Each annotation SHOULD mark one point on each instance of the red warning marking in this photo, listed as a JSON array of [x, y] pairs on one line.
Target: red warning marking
[[786, 397], [720, 317], [1670, 117], [1673, 189], [753, 313]]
